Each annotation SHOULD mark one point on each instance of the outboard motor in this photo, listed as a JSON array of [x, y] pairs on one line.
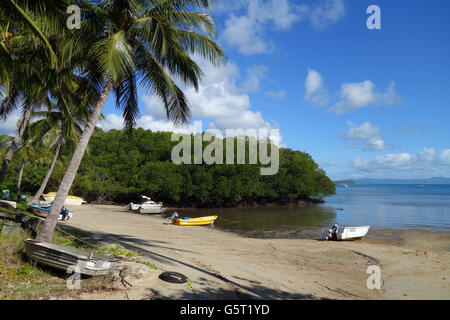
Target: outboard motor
[[331, 234], [173, 216]]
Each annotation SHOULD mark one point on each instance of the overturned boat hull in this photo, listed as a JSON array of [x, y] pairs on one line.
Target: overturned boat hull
[[70, 200]]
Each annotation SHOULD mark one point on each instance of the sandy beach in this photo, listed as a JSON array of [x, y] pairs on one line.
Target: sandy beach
[[414, 264]]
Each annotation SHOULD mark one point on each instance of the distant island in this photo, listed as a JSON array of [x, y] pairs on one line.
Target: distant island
[[347, 182], [434, 180]]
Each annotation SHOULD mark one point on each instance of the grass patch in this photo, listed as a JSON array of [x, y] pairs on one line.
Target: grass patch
[[20, 278], [120, 252], [23, 279]]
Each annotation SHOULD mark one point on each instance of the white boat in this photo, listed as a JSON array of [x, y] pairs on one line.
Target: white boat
[[148, 206], [152, 209], [133, 206], [347, 233], [70, 200]]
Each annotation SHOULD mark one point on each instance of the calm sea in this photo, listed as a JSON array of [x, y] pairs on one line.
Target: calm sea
[[380, 206]]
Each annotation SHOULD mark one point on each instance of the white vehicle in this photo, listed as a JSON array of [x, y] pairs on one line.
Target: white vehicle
[[347, 233]]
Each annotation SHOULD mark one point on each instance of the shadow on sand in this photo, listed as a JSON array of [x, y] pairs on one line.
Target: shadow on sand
[[233, 290]]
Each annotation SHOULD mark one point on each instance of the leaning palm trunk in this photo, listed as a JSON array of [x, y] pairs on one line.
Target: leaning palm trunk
[[49, 171], [46, 233], [19, 180], [15, 143]]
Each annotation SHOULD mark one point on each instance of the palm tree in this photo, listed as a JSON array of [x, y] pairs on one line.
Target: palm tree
[[33, 17], [30, 101], [62, 124], [26, 153], [29, 81], [124, 42]]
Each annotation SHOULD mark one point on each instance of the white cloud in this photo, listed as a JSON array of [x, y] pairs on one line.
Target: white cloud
[[254, 76], [366, 136], [114, 121], [248, 22], [219, 101], [245, 34], [325, 13], [427, 161], [351, 96], [362, 94], [111, 121], [154, 107], [315, 91]]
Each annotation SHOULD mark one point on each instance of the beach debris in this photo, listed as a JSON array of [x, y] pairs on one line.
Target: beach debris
[[173, 277], [124, 272]]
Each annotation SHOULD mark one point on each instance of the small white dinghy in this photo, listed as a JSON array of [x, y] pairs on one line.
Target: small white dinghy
[[347, 233]]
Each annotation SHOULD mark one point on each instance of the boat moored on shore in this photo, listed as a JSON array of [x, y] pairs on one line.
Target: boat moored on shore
[[70, 200], [42, 209], [147, 206], [347, 233], [186, 221]]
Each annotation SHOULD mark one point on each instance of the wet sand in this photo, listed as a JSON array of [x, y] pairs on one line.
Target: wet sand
[[414, 264]]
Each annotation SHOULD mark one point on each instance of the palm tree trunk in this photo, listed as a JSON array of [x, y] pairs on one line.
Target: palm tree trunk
[[19, 180], [15, 143], [46, 233], [50, 170]]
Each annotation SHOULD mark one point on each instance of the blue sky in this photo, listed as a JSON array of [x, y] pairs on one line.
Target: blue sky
[[363, 103]]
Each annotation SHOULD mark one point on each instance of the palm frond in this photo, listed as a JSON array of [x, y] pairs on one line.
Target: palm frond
[[114, 56], [127, 101]]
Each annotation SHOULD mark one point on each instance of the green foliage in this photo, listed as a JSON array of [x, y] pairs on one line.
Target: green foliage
[[31, 180], [121, 166], [19, 277]]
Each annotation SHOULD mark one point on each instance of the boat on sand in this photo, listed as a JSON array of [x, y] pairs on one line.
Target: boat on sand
[[147, 206], [69, 259], [186, 221], [347, 233], [70, 200], [42, 209]]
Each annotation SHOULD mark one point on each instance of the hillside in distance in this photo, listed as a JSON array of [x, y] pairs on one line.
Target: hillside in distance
[[433, 180]]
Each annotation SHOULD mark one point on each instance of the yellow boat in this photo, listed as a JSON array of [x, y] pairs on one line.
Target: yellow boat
[[194, 221], [69, 200]]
